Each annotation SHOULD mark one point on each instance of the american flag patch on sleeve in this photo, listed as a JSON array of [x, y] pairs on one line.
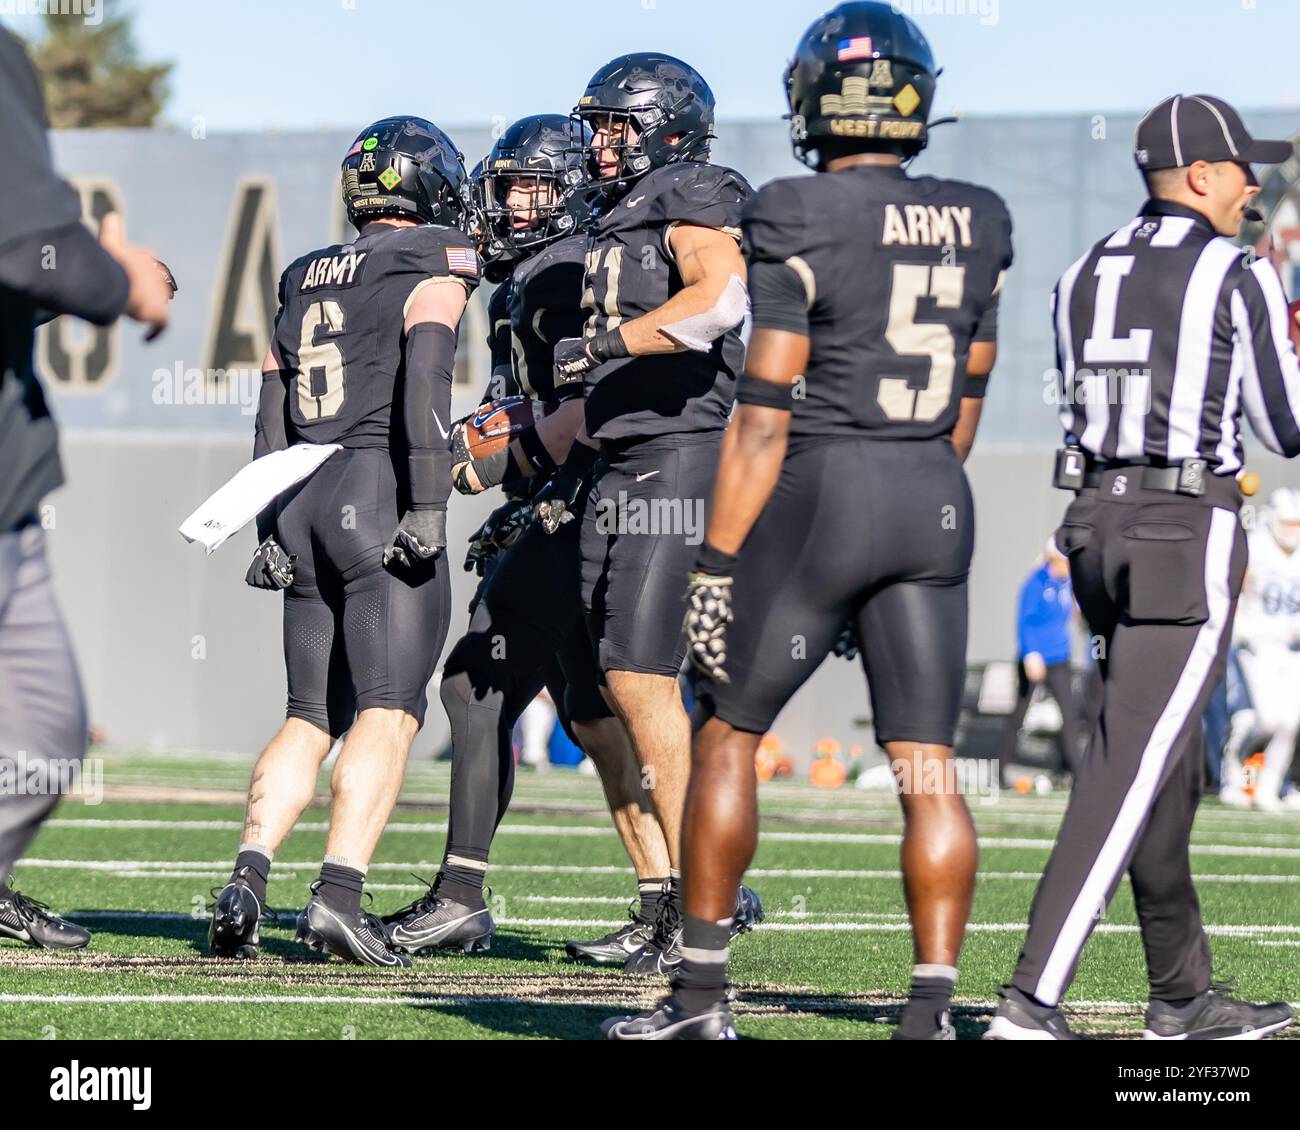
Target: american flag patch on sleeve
[[462, 261]]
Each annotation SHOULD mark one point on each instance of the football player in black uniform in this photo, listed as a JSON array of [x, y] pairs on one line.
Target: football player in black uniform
[[874, 306], [362, 356], [665, 298], [526, 627]]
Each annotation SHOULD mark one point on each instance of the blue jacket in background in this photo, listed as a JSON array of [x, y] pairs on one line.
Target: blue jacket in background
[[1043, 621]]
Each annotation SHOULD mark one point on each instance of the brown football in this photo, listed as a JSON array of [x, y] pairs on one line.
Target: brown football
[[494, 424]]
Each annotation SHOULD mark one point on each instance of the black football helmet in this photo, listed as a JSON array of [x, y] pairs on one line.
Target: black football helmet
[[661, 98], [542, 150], [406, 167], [862, 78]]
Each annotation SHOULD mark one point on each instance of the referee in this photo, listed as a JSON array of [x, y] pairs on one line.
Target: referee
[[49, 264], [1165, 331]]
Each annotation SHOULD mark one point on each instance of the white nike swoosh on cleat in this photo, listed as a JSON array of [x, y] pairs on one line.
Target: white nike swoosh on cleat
[[426, 938]]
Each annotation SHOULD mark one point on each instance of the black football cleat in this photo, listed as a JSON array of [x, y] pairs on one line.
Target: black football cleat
[[943, 1030], [662, 954], [235, 929], [615, 947], [1215, 1016], [669, 1020], [33, 922], [1019, 1017], [434, 922], [748, 913], [357, 937]]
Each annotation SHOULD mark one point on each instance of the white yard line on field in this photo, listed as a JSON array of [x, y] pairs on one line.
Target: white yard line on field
[[220, 868], [797, 926], [602, 830]]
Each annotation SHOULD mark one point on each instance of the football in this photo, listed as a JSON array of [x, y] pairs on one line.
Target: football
[[491, 426]]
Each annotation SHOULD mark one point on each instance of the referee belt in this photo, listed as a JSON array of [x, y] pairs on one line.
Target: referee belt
[[1172, 478]]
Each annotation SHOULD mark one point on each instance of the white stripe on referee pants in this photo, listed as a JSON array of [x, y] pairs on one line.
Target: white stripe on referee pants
[[1138, 800]]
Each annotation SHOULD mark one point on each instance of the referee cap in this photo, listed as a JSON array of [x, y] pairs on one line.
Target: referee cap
[[1200, 127]]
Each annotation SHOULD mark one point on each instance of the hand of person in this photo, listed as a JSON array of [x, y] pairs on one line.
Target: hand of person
[[151, 283], [271, 568], [420, 534], [1035, 668]]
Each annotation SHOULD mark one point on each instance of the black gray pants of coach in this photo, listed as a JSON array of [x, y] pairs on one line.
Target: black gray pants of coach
[[42, 712], [1157, 576]]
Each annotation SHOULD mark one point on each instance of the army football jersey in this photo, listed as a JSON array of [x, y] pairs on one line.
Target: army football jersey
[[900, 275], [340, 328], [542, 304], [630, 271]]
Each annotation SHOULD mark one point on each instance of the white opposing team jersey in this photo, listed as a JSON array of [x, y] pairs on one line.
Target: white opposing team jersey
[[1269, 611]]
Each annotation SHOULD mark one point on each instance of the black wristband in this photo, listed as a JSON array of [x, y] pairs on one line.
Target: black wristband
[[714, 562], [530, 443], [492, 469], [764, 394], [609, 345]]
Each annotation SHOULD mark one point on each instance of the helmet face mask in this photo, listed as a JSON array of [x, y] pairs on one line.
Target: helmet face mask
[[405, 168], [531, 175], [647, 111], [862, 80]]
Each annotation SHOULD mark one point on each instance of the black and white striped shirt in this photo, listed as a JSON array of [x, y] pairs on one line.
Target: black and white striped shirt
[[1165, 332]]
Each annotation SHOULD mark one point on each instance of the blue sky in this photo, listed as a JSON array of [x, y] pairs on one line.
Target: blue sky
[[303, 64]]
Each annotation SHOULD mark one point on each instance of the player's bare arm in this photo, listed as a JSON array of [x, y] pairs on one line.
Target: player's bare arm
[[983, 356], [711, 302]]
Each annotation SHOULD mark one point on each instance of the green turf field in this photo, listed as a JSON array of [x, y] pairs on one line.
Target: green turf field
[[832, 960]]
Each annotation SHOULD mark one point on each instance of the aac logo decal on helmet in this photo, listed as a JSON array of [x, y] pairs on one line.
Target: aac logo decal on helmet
[[862, 78], [668, 104], [405, 167]]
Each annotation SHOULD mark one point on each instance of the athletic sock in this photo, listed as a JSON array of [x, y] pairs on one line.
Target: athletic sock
[[648, 891], [701, 978], [463, 870], [340, 887], [928, 999], [255, 863]]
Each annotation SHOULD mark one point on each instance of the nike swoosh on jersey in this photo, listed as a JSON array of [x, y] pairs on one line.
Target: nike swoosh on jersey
[[631, 203], [647, 475], [445, 433]]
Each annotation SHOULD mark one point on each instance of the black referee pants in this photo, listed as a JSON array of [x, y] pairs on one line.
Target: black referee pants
[[1157, 576]]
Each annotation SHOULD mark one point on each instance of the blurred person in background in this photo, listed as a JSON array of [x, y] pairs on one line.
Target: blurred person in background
[[50, 264], [1043, 618], [1266, 644]]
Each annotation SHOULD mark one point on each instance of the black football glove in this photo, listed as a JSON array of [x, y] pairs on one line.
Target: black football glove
[[846, 643], [575, 356], [272, 568], [420, 535], [555, 503], [708, 612], [504, 527]]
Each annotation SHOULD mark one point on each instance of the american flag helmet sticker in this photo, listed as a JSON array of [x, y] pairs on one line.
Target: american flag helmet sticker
[[462, 261], [859, 47]]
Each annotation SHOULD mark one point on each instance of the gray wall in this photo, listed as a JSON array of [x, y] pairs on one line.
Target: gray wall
[[177, 652]]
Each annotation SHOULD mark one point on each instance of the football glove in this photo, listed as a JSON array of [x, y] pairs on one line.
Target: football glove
[[420, 535], [575, 356], [555, 503], [272, 568], [504, 527], [708, 612], [846, 643]]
